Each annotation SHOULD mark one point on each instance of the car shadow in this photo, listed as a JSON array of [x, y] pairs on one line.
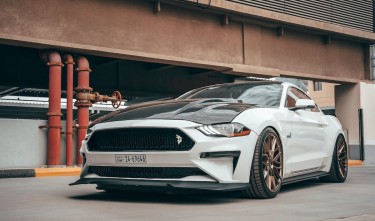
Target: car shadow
[[196, 198], [184, 197], [301, 185]]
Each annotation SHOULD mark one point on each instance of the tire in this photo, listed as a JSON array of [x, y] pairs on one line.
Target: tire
[[339, 165], [267, 167]]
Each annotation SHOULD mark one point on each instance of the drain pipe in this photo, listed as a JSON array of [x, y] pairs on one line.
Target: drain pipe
[[69, 109], [83, 105], [53, 60]]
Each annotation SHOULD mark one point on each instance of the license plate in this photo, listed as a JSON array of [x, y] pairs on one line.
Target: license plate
[[131, 158]]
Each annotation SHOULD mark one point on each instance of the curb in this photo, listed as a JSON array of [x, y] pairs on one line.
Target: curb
[[355, 163], [39, 172], [44, 172], [16, 173]]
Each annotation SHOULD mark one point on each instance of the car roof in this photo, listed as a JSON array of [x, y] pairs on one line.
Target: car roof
[[243, 83]]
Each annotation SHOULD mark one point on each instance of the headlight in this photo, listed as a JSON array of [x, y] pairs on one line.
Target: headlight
[[225, 130]]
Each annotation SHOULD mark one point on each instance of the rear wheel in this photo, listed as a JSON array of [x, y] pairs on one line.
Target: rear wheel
[[267, 168], [339, 165]]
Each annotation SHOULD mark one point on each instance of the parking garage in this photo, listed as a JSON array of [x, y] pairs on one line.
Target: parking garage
[[151, 50]]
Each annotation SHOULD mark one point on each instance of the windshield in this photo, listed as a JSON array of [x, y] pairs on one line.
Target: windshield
[[266, 94]]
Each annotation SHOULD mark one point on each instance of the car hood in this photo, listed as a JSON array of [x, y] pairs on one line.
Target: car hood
[[204, 111]]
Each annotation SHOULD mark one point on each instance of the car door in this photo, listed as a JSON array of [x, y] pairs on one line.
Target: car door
[[306, 144]]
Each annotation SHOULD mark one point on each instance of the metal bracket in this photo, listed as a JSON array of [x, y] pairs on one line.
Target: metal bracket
[[327, 39], [225, 20], [157, 6], [280, 31]]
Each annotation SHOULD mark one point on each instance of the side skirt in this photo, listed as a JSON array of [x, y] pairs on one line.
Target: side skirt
[[304, 177]]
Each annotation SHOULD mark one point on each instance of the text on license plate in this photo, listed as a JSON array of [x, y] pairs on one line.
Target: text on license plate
[[131, 158]]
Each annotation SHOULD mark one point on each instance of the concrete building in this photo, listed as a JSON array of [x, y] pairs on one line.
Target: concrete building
[[358, 118], [354, 106], [164, 48], [323, 94]]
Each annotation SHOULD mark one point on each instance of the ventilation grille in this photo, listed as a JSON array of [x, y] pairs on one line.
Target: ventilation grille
[[354, 14], [140, 139], [146, 172]]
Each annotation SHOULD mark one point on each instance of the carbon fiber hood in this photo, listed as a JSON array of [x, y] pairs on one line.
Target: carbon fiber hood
[[206, 111]]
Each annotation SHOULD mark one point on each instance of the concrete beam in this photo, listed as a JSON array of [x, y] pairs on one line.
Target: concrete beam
[[246, 10], [183, 37]]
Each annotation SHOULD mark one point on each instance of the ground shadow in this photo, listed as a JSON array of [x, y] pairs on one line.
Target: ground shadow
[[181, 197], [301, 185]]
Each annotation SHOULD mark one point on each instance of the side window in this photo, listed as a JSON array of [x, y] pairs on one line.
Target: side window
[[295, 94], [291, 99]]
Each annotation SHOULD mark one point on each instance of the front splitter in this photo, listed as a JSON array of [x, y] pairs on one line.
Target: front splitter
[[197, 185]]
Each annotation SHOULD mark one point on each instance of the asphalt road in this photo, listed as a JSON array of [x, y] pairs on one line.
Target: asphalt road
[[52, 199]]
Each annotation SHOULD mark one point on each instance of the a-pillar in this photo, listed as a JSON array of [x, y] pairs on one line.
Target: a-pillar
[[83, 106], [53, 60]]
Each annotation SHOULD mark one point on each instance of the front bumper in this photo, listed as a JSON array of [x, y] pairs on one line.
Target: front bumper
[[223, 172]]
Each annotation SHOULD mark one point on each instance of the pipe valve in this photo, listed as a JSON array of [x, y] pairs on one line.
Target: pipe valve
[[86, 98]]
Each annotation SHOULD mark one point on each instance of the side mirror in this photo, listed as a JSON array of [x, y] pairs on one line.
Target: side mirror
[[303, 104]]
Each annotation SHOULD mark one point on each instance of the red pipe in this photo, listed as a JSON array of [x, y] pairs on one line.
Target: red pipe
[[83, 70], [53, 60], [69, 109]]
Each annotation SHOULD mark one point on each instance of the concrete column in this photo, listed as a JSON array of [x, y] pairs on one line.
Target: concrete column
[[348, 99], [372, 58]]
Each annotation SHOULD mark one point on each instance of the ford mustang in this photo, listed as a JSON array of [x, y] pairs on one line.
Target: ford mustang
[[249, 136]]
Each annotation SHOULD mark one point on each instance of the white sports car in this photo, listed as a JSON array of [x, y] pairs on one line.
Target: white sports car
[[252, 136]]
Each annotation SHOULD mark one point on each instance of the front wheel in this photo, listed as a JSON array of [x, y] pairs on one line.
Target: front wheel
[[267, 168], [339, 165]]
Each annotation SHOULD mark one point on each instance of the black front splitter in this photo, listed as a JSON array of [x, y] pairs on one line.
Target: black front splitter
[[113, 183]]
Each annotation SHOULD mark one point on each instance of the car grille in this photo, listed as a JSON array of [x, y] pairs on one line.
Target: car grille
[[146, 172], [140, 139]]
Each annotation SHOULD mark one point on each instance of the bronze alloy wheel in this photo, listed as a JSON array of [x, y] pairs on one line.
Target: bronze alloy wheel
[[339, 165], [266, 175], [272, 162], [342, 156]]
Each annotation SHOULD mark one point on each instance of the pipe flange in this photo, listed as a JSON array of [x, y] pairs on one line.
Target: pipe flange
[[54, 114], [57, 127], [83, 89], [55, 64], [83, 104], [83, 69]]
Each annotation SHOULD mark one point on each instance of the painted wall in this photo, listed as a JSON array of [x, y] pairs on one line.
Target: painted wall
[[24, 145], [324, 97], [367, 91]]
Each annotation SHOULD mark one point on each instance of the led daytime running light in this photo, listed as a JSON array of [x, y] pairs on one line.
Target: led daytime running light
[[225, 130]]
